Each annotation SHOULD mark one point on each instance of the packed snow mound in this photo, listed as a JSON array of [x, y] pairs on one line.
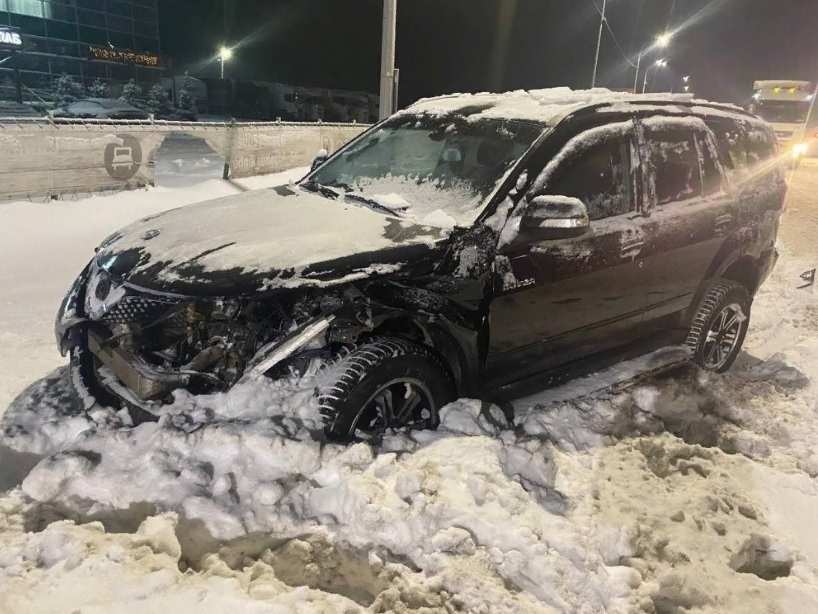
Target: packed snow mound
[[587, 505], [472, 504]]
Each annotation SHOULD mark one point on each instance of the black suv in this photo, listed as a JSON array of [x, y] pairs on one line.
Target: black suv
[[465, 244]]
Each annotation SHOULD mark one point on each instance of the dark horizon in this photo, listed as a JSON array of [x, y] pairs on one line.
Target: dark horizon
[[496, 44]]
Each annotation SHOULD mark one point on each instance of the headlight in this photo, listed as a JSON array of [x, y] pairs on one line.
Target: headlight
[[799, 150], [70, 312]]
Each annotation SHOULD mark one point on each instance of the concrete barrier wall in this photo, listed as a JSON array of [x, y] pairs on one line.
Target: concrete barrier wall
[[41, 158]]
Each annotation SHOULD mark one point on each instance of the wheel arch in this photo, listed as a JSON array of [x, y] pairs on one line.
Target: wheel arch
[[746, 271], [734, 265], [456, 348]]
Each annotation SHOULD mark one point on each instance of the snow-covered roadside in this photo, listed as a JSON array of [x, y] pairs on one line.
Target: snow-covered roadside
[[635, 501], [44, 246]]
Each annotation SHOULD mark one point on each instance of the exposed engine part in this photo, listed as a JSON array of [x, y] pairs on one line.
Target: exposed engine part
[[208, 346]]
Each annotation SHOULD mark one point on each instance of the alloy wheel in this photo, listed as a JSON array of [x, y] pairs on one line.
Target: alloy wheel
[[724, 336]]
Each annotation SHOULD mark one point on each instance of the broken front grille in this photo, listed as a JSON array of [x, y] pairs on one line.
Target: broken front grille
[[138, 310]]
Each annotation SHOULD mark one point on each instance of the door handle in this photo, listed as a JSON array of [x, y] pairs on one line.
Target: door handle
[[631, 249], [723, 222]]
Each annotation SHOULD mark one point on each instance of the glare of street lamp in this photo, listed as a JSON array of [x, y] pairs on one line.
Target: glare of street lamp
[[225, 53], [661, 63], [686, 78], [663, 40]]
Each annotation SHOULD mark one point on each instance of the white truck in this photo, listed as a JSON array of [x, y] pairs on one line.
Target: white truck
[[786, 106]]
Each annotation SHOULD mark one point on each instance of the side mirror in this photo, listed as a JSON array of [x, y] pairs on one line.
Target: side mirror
[[555, 217], [321, 157]]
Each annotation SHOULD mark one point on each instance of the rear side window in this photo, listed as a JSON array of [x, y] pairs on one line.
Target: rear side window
[[675, 161], [599, 177], [760, 146], [732, 148]]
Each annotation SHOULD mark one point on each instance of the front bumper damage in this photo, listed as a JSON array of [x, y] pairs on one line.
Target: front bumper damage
[[121, 371]]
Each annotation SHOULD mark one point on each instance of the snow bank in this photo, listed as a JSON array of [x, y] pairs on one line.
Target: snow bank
[[470, 504], [45, 245]]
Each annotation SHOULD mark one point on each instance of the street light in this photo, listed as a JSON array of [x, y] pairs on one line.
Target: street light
[[662, 42], [225, 53], [599, 43], [658, 64]]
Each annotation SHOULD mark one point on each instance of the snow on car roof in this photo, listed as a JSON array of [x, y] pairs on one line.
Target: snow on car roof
[[549, 106]]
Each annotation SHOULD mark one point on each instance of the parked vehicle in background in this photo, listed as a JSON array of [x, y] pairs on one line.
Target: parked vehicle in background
[[786, 106], [99, 108], [466, 244], [177, 115], [15, 109]]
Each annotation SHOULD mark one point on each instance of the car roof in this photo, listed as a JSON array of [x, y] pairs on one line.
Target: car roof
[[551, 106]]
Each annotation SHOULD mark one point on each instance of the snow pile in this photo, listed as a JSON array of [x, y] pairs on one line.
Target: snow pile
[[46, 245], [472, 506]]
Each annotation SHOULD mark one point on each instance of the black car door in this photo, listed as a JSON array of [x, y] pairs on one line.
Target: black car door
[[690, 210], [559, 300]]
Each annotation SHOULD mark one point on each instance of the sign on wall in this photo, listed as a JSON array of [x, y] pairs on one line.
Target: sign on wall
[[123, 56], [10, 38]]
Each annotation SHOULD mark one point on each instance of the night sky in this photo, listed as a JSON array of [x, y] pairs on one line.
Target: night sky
[[474, 45]]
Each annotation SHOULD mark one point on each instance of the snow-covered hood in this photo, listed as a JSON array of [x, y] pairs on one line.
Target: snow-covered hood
[[265, 240]]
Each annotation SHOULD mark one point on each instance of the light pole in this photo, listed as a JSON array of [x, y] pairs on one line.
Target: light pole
[[390, 22], [599, 43], [658, 64], [225, 53], [662, 42]]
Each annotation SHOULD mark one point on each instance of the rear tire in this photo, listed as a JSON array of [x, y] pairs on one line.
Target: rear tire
[[720, 325], [386, 384]]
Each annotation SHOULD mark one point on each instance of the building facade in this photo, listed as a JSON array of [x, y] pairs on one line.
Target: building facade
[[112, 40]]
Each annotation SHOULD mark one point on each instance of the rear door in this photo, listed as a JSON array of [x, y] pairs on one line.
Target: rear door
[[563, 299], [690, 209]]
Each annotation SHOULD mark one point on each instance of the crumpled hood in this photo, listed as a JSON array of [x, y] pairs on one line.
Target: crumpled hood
[[264, 240]]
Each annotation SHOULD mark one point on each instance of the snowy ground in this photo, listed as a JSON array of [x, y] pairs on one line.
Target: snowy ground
[[688, 493]]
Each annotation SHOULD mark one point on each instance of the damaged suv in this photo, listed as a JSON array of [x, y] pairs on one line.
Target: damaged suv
[[465, 244]]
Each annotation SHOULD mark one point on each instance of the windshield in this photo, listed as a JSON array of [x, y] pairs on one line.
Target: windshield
[[437, 170], [781, 112]]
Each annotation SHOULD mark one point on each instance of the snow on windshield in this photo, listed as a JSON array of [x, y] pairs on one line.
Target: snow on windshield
[[438, 171]]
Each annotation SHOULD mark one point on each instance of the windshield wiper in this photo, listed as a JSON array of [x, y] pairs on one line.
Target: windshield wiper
[[331, 192], [371, 202], [314, 186]]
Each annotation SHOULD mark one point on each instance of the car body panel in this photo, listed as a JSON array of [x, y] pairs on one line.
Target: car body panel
[[494, 314], [265, 240]]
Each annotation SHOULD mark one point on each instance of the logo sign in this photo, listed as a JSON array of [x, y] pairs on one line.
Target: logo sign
[[122, 161], [123, 56], [10, 38]]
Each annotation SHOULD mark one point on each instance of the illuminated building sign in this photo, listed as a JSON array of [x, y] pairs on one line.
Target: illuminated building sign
[[10, 38], [123, 56]]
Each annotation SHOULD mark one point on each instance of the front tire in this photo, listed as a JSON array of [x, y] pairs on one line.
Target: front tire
[[386, 384], [720, 326]]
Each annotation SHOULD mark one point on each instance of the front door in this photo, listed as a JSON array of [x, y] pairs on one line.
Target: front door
[[560, 300]]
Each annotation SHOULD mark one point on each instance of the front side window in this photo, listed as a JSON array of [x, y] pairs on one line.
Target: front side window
[[675, 161], [599, 177], [436, 170]]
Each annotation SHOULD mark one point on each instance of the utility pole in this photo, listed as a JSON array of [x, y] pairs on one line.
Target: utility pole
[[599, 43], [636, 78], [390, 21]]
